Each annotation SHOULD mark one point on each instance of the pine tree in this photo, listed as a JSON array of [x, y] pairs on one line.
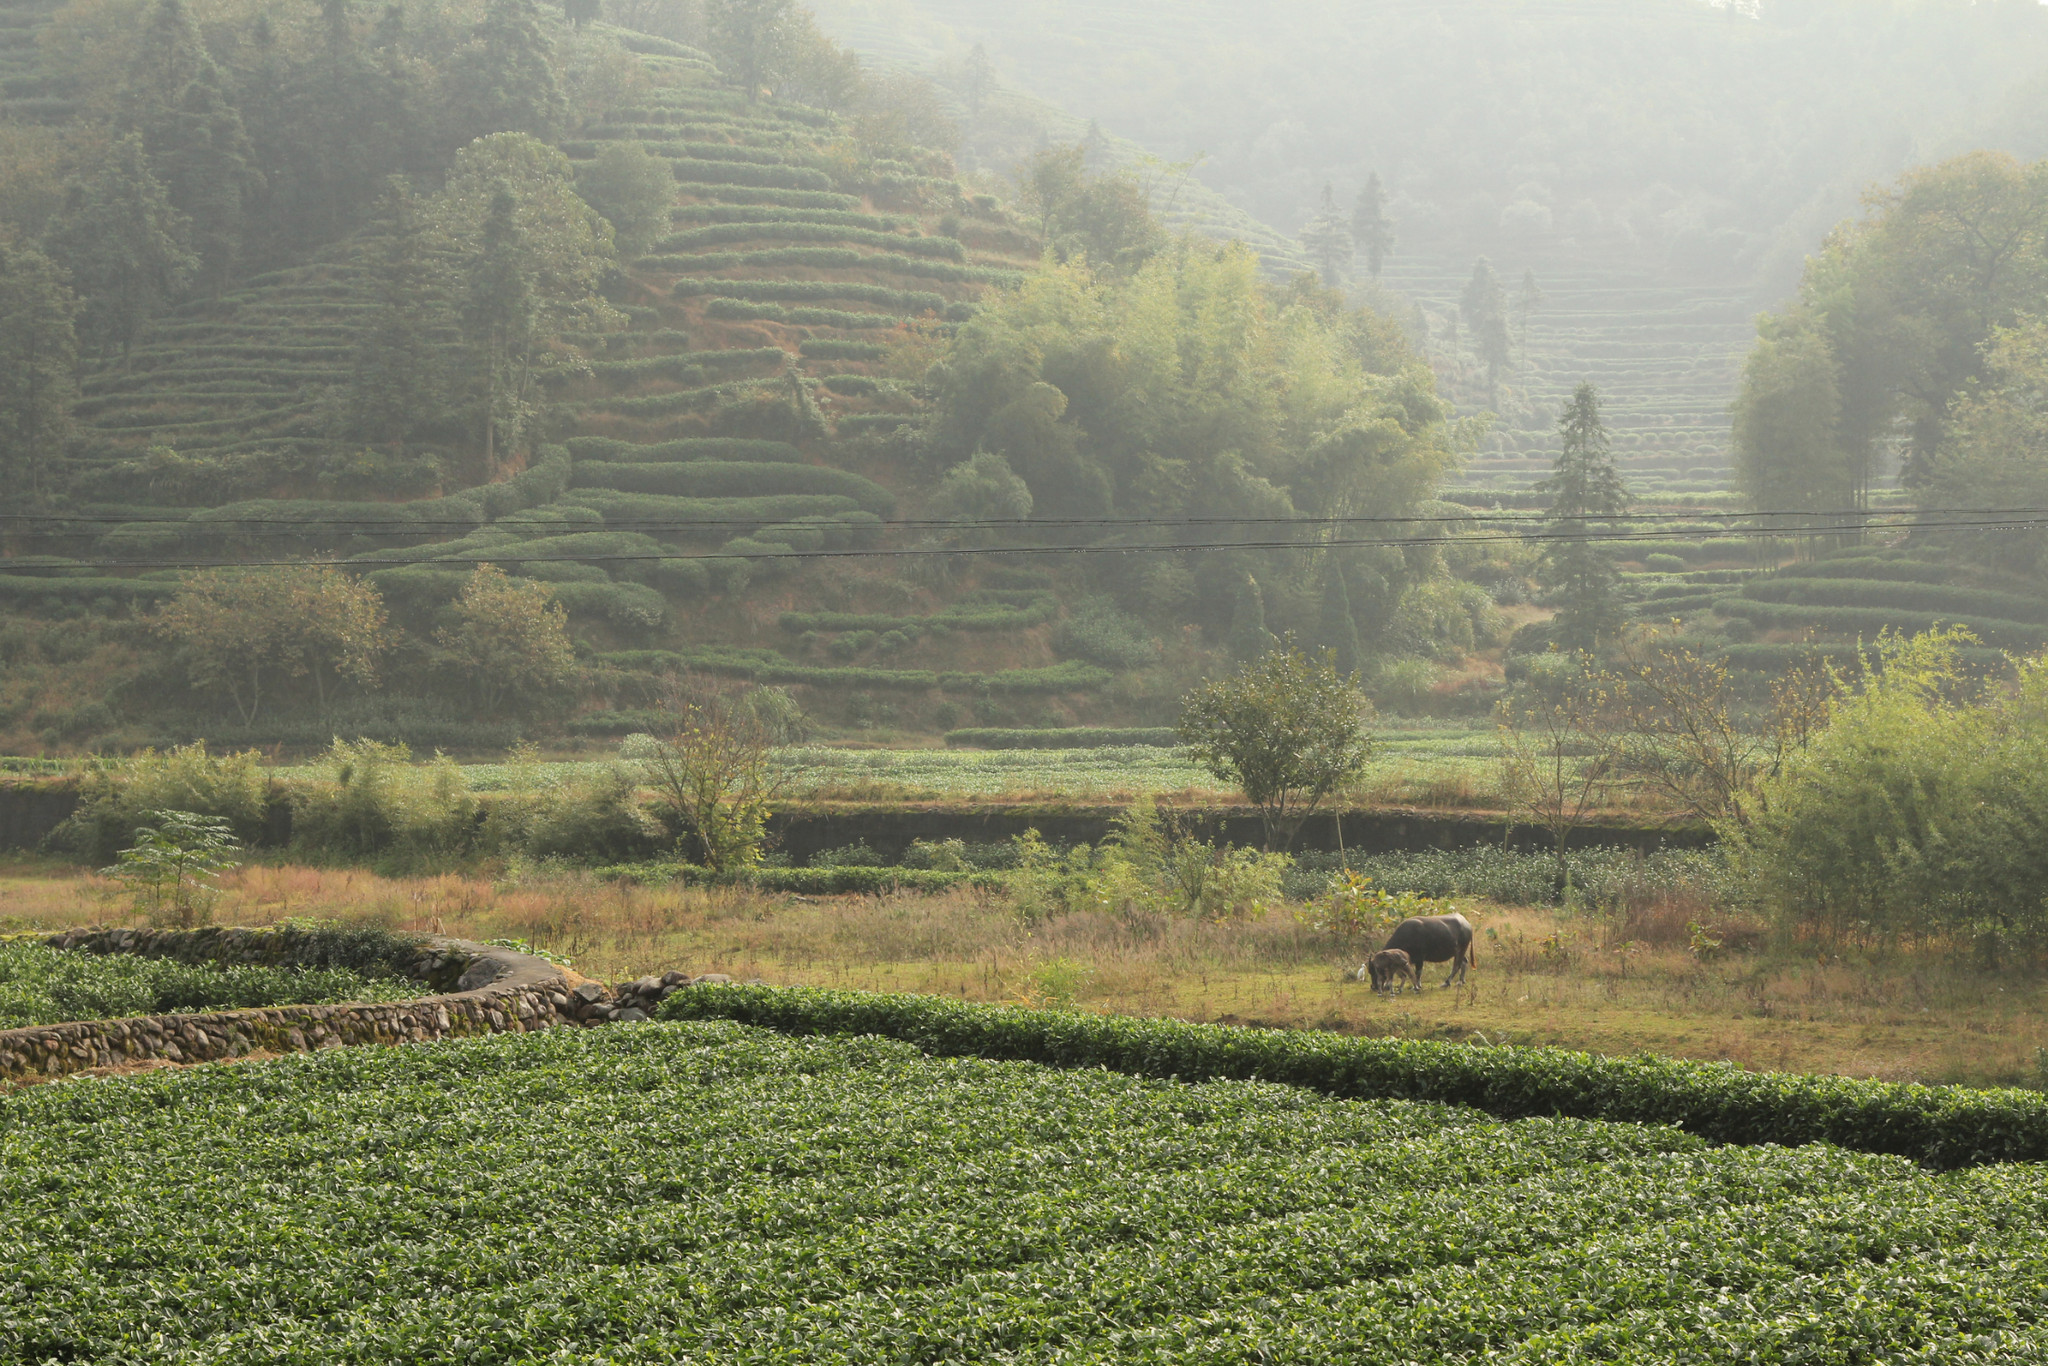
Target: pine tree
[[1584, 487], [498, 322], [1484, 310], [1327, 240], [394, 388], [193, 136], [38, 371], [124, 245], [502, 81], [1249, 639], [1372, 232], [1339, 629]]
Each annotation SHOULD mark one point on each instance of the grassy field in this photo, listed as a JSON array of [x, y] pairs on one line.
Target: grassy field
[[707, 1192], [1616, 983]]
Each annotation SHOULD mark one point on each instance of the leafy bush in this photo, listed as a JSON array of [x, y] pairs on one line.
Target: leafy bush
[[1602, 877], [371, 800], [1957, 600], [1097, 632], [715, 173], [171, 867], [882, 296], [1940, 1127], [1872, 620], [1069, 676], [116, 797], [832, 348]]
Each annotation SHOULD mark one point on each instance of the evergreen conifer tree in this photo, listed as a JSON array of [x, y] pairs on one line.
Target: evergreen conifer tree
[[503, 80], [38, 371], [1327, 240], [1249, 639], [1584, 488], [1372, 232], [1339, 629], [193, 136], [124, 245], [498, 323], [1483, 307], [394, 388]]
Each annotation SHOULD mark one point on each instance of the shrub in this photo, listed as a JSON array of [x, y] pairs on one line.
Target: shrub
[[741, 310], [735, 195], [829, 348], [372, 800], [617, 507], [1922, 597], [117, 797], [1069, 676], [1941, 1127], [714, 173], [1097, 632], [722, 234], [1667, 564], [1871, 621], [901, 300], [171, 867]]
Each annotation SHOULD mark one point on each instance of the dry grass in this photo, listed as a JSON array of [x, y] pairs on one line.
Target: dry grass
[[1613, 985]]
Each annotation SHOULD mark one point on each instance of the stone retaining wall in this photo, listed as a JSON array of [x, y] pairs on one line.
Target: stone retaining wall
[[494, 991]]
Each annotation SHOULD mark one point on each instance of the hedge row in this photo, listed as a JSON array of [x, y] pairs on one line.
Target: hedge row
[[725, 448], [732, 479], [739, 310], [837, 348], [1068, 676], [968, 617], [853, 386], [1892, 593], [852, 423], [1871, 567], [723, 234], [1871, 620], [616, 507], [762, 666], [1941, 1127], [783, 291], [28, 589], [804, 881], [844, 258], [328, 520], [1774, 657], [768, 195], [833, 218], [745, 173], [1069, 737]]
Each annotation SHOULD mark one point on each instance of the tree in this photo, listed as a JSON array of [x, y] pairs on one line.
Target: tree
[[982, 488], [497, 316], [633, 189], [1328, 240], [1287, 729], [38, 370], [193, 136], [749, 38], [977, 81], [509, 639], [172, 865], [1248, 638], [396, 386], [1339, 631], [712, 767], [1527, 298], [1553, 774], [1584, 486], [503, 79], [1996, 452], [1787, 424], [125, 246], [1483, 309], [237, 630], [1372, 232]]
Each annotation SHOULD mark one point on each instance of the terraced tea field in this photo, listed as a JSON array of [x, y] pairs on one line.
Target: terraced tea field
[[707, 1192]]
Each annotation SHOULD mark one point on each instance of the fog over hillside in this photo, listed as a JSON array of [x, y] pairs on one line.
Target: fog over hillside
[[1662, 167]]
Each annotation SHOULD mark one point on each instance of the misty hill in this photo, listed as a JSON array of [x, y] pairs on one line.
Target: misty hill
[[1685, 154]]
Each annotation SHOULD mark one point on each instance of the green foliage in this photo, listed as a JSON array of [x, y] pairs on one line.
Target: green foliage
[[1288, 730], [171, 867], [720, 448], [371, 801], [1954, 599], [1584, 488], [1353, 910], [1094, 629], [117, 796], [734, 479], [1106, 1180], [1921, 807], [41, 985], [1869, 621], [632, 189], [900, 300]]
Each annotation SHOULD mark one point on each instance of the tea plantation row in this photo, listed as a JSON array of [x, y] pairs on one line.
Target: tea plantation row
[[706, 1192]]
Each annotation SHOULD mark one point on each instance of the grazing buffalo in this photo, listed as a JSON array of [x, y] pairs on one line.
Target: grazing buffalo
[[1386, 966], [1435, 939]]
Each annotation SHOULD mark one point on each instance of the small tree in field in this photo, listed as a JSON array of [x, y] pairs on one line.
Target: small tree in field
[[1287, 729], [511, 639], [172, 864], [1555, 769], [711, 766]]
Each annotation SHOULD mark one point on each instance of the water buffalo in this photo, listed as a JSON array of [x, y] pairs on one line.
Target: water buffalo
[[1435, 939], [1387, 967]]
